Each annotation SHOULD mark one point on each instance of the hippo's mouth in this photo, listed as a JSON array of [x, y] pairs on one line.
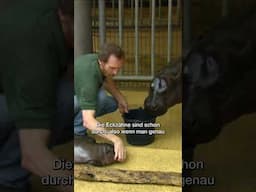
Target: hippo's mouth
[[154, 108], [156, 111]]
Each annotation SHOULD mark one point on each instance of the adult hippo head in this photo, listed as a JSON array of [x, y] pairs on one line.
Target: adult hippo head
[[165, 90]]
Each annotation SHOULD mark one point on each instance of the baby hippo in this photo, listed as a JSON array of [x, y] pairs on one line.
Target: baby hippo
[[89, 152]]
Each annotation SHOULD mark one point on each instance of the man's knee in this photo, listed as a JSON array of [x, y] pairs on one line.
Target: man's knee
[[113, 105], [62, 131], [105, 103]]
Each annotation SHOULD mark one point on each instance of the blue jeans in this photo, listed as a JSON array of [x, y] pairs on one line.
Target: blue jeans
[[11, 172], [105, 104]]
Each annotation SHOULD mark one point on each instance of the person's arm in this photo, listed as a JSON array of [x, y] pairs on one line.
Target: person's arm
[[33, 102], [37, 158], [92, 124], [110, 86]]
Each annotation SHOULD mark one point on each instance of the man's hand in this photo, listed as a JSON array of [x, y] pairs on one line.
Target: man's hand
[[91, 123], [120, 152], [122, 105]]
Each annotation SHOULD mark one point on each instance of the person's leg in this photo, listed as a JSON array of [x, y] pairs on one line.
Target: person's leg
[[105, 104], [62, 131], [79, 129], [96, 152], [12, 176]]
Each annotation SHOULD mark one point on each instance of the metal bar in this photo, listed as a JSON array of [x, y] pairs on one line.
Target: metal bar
[[150, 8], [159, 9], [132, 8], [145, 26], [102, 25], [120, 21], [113, 8], [120, 24], [169, 44], [136, 37], [224, 8], [134, 78], [178, 11], [94, 7], [141, 7], [82, 27], [153, 38]]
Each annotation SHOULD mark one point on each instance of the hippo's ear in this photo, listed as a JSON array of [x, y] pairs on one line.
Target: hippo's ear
[[211, 73], [176, 69]]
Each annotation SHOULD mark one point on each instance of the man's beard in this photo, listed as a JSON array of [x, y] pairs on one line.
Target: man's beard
[[106, 74]]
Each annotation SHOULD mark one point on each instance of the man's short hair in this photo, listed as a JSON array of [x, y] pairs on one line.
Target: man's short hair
[[67, 7], [110, 49]]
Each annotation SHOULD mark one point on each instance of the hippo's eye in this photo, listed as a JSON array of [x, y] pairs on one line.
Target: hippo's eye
[[162, 86]]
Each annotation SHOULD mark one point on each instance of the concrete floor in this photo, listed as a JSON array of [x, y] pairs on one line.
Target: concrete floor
[[230, 158], [162, 155]]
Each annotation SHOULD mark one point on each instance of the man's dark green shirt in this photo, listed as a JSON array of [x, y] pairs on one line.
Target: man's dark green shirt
[[88, 80], [32, 54]]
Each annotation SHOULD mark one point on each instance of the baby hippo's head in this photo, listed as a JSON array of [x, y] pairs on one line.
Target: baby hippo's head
[[107, 153]]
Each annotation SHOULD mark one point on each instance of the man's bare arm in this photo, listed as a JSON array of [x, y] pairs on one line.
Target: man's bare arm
[[91, 123], [37, 158], [110, 86]]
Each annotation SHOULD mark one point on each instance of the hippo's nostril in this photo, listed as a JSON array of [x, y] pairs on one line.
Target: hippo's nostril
[[154, 106]]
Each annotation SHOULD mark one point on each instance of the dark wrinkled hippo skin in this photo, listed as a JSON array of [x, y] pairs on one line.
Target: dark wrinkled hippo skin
[[218, 80], [172, 95], [98, 154], [219, 77]]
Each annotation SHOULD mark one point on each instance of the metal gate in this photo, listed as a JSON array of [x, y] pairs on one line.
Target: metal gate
[[149, 31]]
